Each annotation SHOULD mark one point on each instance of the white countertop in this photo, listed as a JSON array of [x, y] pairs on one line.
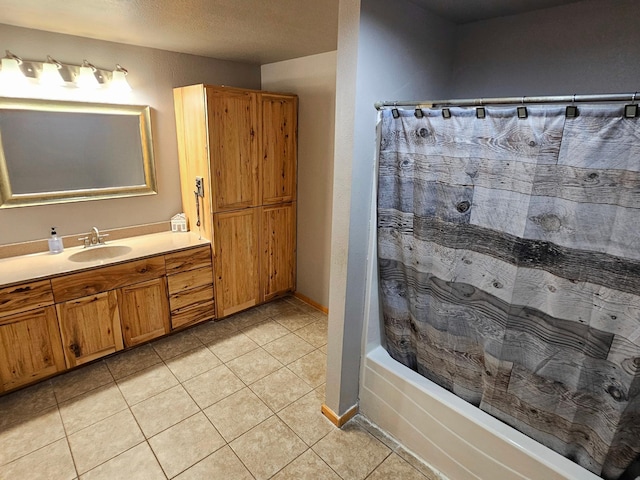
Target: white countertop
[[37, 266]]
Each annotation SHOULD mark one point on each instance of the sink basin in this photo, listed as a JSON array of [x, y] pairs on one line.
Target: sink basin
[[104, 252]]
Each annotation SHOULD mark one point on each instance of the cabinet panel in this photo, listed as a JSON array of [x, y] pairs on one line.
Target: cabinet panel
[[90, 327], [144, 311], [30, 348], [106, 278], [236, 260], [26, 296], [188, 260], [279, 249], [191, 130], [232, 116], [279, 125]]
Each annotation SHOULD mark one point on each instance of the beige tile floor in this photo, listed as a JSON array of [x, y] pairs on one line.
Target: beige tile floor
[[235, 399]]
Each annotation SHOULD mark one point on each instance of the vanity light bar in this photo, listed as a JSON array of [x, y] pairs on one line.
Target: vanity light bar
[[14, 71]]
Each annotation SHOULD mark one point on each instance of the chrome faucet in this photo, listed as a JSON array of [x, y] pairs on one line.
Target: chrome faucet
[[94, 238]]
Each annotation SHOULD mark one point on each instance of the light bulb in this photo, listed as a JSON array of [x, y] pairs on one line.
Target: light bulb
[[86, 78], [11, 76], [119, 82], [50, 76]]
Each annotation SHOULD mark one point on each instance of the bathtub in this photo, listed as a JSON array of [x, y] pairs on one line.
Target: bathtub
[[453, 436]]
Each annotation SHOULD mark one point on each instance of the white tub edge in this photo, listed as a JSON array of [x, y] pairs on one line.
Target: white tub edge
[[456, 438]]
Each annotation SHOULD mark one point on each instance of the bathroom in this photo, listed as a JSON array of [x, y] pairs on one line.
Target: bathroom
[[582, 47]]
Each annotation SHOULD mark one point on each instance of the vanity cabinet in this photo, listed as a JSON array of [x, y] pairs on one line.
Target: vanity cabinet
[[90, 327], [243, 143], [50, 325], [30, 346]]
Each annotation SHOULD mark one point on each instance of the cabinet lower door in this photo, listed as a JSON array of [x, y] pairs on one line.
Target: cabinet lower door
[[236, 261], [279, 249], [30, 348], [144, 311], [90, 327]]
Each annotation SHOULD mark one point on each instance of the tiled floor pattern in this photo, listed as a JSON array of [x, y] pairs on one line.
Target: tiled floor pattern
[[235, 399]]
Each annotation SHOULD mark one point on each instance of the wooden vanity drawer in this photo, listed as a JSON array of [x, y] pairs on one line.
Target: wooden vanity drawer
[[192, 314], [104, 279], [190, 297], [188, 260], [188, 280], [24, 297]]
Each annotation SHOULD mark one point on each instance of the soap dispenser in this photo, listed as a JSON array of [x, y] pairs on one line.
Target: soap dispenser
[[55, 242]]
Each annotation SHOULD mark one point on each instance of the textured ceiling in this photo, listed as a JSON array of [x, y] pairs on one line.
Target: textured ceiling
[[465, 11], [256, 31]]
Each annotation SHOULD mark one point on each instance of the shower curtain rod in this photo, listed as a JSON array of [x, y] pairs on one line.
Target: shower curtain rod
[[480, 102]]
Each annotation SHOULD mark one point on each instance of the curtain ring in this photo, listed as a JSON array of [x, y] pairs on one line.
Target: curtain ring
[[523, 100], [574, 98], [633, 98]]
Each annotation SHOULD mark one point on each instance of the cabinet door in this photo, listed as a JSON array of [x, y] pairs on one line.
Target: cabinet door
[[30, 347], [279, 145], [236, 263], [144, 311], [279, 249], [233, 151], [90, 327]]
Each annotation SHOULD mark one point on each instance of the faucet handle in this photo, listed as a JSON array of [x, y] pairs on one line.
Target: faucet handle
[[101, 238], [86, 241]]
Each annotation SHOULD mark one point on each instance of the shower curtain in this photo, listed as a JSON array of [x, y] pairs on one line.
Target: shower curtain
[[509, 263]]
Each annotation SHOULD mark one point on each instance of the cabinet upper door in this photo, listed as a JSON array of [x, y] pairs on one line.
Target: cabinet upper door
[[233, 148], [279, 147]]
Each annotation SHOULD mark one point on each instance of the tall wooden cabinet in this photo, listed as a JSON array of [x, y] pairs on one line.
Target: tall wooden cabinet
[[243, 144]]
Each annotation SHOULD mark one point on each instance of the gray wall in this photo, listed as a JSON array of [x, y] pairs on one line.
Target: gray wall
[[402, 51], [152, 75], [313, 79], [585, 47]]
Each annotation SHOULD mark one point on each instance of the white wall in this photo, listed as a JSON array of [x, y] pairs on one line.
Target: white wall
[[152, 75], [386, 50], [313, 79]]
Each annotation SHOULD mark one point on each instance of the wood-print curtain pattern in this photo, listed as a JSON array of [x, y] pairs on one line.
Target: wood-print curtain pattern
[[509, 260]]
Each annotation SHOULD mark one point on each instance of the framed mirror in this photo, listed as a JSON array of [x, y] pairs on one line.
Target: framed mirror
[[59, 151]]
